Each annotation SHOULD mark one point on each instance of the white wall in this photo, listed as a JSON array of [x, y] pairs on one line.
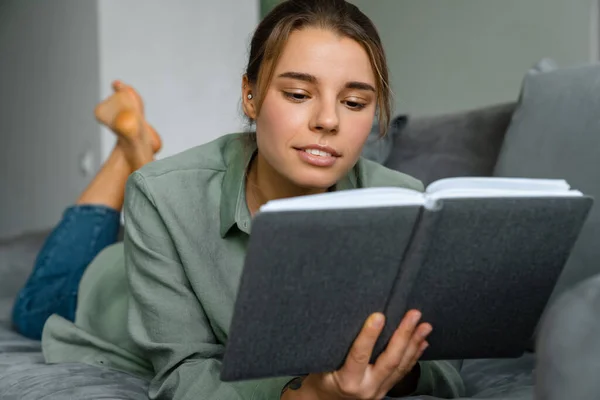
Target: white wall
[[186, 57], [48, 87], [447, 56]]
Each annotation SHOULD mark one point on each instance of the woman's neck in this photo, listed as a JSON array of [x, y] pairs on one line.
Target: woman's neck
[[264, 183]]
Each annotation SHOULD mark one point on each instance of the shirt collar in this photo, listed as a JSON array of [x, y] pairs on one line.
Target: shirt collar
[[234, 208]]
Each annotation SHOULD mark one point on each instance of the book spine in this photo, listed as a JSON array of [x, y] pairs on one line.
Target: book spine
[[408, 271]]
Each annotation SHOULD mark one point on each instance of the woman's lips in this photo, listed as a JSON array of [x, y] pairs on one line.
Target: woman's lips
[[318, 156]]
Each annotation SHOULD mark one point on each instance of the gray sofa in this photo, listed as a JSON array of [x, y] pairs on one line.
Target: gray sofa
[[537, 136]]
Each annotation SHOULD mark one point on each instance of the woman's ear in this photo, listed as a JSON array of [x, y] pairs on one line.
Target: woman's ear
[[248, 101]]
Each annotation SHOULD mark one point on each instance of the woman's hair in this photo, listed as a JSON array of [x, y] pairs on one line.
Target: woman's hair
[[338, 16]]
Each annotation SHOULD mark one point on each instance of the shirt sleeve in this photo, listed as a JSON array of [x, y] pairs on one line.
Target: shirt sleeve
[[440, 379], [166, 320]]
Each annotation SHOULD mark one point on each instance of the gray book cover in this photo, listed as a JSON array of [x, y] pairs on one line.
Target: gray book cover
[[480, 271]]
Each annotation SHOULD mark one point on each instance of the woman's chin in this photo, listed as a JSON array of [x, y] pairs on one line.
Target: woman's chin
[[316, 181]]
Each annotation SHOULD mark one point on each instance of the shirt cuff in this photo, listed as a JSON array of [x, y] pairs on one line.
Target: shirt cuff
[[441, 379], [425, 384]]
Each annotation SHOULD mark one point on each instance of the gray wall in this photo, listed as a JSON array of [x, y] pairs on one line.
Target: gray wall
[[186, 57], [48, 87], [446, 56]]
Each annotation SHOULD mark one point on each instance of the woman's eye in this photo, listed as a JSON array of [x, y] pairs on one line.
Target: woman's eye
[[296, 96], [355, 105]]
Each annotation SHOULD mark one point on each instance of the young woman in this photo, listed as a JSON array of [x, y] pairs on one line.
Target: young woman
[[161, 306]]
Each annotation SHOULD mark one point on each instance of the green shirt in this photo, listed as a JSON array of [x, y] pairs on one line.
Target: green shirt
[[161, 306]]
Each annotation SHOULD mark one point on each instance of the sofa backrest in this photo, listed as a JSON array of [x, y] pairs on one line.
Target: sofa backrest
[[459, 144]]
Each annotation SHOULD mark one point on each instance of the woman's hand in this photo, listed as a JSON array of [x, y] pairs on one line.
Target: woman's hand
[[358, 379]]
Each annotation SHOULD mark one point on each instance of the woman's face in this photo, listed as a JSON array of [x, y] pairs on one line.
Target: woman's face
[[318, 110]]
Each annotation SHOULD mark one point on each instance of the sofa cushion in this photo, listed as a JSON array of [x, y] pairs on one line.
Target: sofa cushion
[[460, 144], [555, 133], [69, 382], [499, 379], [16, 350], [17, 256]]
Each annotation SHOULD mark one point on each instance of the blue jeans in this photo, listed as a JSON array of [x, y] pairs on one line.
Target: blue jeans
[[52, 288]]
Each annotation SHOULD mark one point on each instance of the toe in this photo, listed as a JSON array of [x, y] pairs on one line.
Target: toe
[[117, 85]]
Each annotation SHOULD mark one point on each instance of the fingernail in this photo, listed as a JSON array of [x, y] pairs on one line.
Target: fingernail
[[377, 321], [426, 331], [416, 317]]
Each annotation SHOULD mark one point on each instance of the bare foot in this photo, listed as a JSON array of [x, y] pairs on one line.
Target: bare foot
[[137, 101], [123, 113]]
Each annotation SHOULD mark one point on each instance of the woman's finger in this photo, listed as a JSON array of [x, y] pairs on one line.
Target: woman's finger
[[388, 361], [359, 356], [413, 353]]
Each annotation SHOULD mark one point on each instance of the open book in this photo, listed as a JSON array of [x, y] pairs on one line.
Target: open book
[[442, 189], [479, 257]]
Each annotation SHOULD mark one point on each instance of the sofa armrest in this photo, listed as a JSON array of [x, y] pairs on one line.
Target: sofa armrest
[[568, 346]]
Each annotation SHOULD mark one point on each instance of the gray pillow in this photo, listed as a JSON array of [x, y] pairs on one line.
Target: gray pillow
[[555, 133], [459, 144]]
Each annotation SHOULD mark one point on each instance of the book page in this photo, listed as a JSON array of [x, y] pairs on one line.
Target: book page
[[473, 188], [478, 193], [499, 184], [355, 198], [442, 189]]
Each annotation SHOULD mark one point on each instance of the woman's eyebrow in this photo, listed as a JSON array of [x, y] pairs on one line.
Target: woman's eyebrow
[[301, 76], [360, 86]]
